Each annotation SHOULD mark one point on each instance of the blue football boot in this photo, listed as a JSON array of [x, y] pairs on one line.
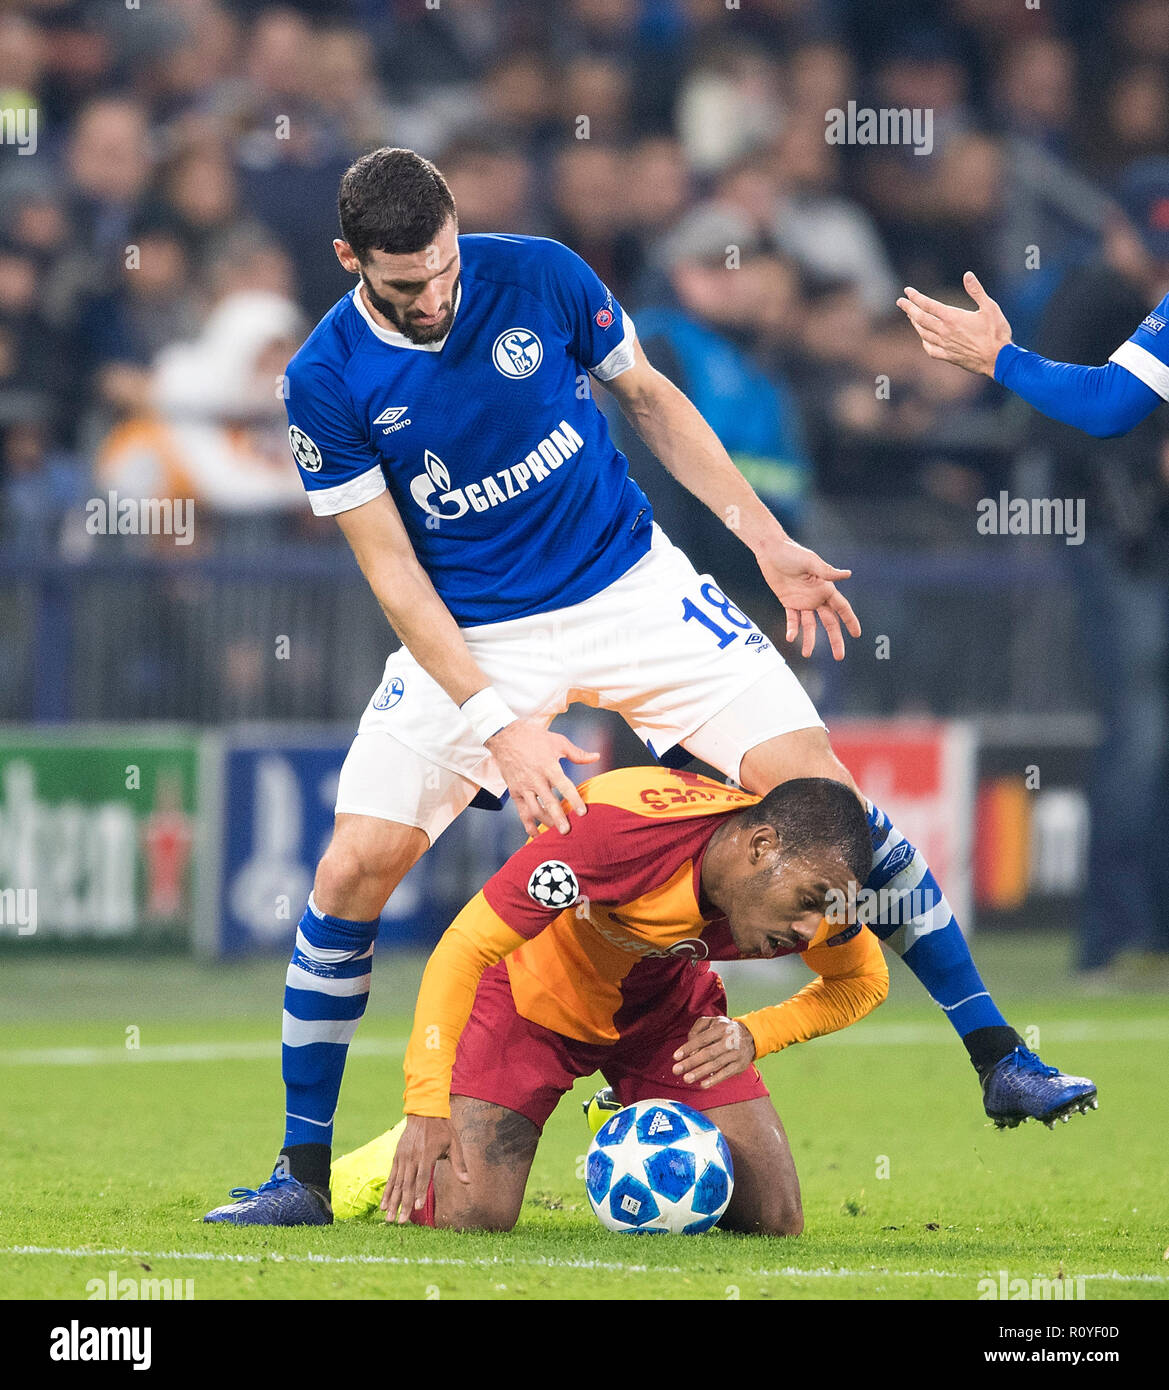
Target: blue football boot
[[281, 1201], [1021, 1087]]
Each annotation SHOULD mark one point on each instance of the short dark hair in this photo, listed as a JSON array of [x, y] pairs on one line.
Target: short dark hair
[[392, 200], [816, 815]]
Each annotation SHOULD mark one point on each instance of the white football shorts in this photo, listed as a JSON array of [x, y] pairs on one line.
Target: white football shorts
[[663, 646]]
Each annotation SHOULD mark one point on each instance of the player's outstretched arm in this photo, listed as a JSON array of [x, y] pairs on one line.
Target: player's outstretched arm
[[527, 755], [969, 338], [689, 449], [1102, 401]]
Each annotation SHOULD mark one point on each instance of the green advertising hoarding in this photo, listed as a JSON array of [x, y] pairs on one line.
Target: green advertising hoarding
[[100, 834]]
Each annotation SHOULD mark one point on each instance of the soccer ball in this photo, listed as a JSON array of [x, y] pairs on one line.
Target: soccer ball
[[659, 1166]]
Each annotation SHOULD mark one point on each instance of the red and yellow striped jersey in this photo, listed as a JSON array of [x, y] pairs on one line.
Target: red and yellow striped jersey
[[597, 924]]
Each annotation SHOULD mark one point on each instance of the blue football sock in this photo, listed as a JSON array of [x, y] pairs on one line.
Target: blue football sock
[[913, 918], [325, 994]]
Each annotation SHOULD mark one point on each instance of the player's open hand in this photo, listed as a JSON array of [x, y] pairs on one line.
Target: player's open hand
[[424, 1141], [806, 586], [717, 1049], [528, 758], [969, 338]]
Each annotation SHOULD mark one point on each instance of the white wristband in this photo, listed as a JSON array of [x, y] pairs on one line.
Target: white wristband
[[487, 713]]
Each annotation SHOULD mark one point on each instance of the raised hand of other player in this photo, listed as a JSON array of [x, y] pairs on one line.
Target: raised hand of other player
[[424, 1141], [717, 1049], [969, 338], [528, 758], [806, 586]]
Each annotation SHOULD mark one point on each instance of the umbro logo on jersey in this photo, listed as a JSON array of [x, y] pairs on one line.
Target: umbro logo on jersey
[[392, 419], [897, 858]]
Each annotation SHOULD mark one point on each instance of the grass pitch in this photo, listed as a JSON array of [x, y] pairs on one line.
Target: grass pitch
[[114, 1151]]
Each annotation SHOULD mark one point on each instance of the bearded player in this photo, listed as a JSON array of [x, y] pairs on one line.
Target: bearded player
[[441, 412]]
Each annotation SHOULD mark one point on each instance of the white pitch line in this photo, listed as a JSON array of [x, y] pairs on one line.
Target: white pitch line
[[538, 1262], [239, 1051], [881, 1035]]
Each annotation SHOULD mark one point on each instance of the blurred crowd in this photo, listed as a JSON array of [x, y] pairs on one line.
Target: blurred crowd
[[166, 245]]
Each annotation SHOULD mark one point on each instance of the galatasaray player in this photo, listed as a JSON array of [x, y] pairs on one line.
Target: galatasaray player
[[441, 412], [667, 872]]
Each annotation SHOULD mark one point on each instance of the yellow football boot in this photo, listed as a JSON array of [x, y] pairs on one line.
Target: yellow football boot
[[358, 1179]]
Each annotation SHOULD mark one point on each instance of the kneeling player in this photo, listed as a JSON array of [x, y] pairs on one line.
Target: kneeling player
[[591, 952]]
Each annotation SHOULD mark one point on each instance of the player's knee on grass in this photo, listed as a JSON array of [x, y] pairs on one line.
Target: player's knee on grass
[[498, 1146], [766, 1196], [473, 1207], [773, 1218], [756, 1211]]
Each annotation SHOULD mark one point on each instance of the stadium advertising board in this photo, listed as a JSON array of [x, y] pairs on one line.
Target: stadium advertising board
[[921, 774], [99, 835], [278, 792], [1032, 821]]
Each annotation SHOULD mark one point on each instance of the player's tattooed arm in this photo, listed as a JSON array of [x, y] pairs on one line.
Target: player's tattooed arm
[[528, 755], [674, 430]]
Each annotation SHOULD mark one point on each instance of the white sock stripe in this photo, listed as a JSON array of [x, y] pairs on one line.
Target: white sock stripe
[[909, 877], [316, 911], [887, 849], [909, 933], [302, 1032], [896, 941], [982, 994], [906, 907], [937, 919], [327, 955], [297, 978]]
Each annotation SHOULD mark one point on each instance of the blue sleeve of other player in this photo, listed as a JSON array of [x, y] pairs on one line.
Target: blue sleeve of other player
[[1102, 401], [338, 466], [601, 334], [1146, 354]]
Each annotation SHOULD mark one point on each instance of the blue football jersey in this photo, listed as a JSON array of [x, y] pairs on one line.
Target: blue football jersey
[[1146, 353], [500, 464]]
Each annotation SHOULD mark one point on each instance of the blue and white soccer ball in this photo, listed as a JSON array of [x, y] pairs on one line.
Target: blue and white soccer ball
[[659, 1166]]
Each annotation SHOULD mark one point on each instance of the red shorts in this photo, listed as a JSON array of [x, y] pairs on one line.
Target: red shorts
[[510, 1061]]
